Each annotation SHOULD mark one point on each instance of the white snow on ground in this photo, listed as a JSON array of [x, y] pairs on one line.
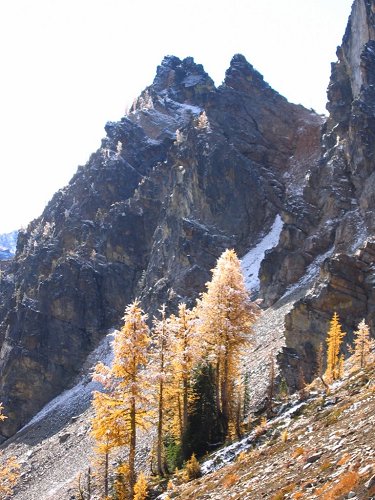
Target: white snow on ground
[[252, 260], [73, 400], [229, 453]]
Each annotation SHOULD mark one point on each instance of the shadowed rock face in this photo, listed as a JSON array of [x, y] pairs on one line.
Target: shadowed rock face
[[337, 221], [190, 171]]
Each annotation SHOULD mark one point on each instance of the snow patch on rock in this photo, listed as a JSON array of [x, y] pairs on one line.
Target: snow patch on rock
[[252, 260]]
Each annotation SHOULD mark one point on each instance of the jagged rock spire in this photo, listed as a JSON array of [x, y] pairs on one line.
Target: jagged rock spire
[[241, 75], [175, 74]]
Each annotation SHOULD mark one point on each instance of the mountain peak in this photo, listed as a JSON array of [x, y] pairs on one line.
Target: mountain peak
[[174, 73], [241, 75]]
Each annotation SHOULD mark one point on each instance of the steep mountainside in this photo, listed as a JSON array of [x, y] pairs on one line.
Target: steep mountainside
[[313, 446], [329, 243], [321, 447], [190, 171]]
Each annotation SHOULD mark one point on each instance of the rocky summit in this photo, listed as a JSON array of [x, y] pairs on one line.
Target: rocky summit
[[191, 170]]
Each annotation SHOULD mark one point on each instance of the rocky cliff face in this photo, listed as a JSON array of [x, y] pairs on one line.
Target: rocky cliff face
[[331, 239], [190, 171]]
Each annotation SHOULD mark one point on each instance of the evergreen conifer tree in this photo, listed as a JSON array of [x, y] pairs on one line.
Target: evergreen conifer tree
[[204, 430]]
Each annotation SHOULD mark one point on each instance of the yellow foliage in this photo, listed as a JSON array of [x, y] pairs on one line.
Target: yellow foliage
[[141, 488], [242, 456], [284, 435], [186, 352], [9, 469], [107, 426], [363, 346], [298, 452], [226, 315], [229, 480], [347, 481], [121, 482], [125, 406], [192, 469], [9, 474], [335, 336], [161, 371]]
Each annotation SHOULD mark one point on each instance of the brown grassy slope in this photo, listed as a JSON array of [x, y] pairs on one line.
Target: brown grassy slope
[[329, 453]]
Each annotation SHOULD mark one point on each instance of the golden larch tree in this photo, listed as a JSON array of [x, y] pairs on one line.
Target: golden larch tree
[[141, 488], [226, 315], [185, 355], [161, 370], [363, 346], [108, 427], [127, 382], [334, 341]]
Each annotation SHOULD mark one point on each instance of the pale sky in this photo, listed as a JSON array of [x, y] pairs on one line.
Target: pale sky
[[69, 66]]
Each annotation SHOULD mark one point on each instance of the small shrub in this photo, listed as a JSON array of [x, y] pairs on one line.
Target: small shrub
[[170, 485], [280, 495], [121, 481], [261, 428], [229, 480], [325, 466], [347, 482], [9, 474], [192, 469], [284, 436], [141, 488], [242, 456], [344, 459], [298, 452], [322, 489], [297, 495]]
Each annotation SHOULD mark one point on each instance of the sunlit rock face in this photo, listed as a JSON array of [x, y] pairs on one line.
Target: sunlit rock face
[[332, 239], [190, 171]]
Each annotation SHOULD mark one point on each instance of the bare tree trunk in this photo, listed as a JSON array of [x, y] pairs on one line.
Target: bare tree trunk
[[185, 404], [132, 448], [217, 387], [159, 445], [89, 483], [225, 390], [180, 417], [106, 475], [238, 418]]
